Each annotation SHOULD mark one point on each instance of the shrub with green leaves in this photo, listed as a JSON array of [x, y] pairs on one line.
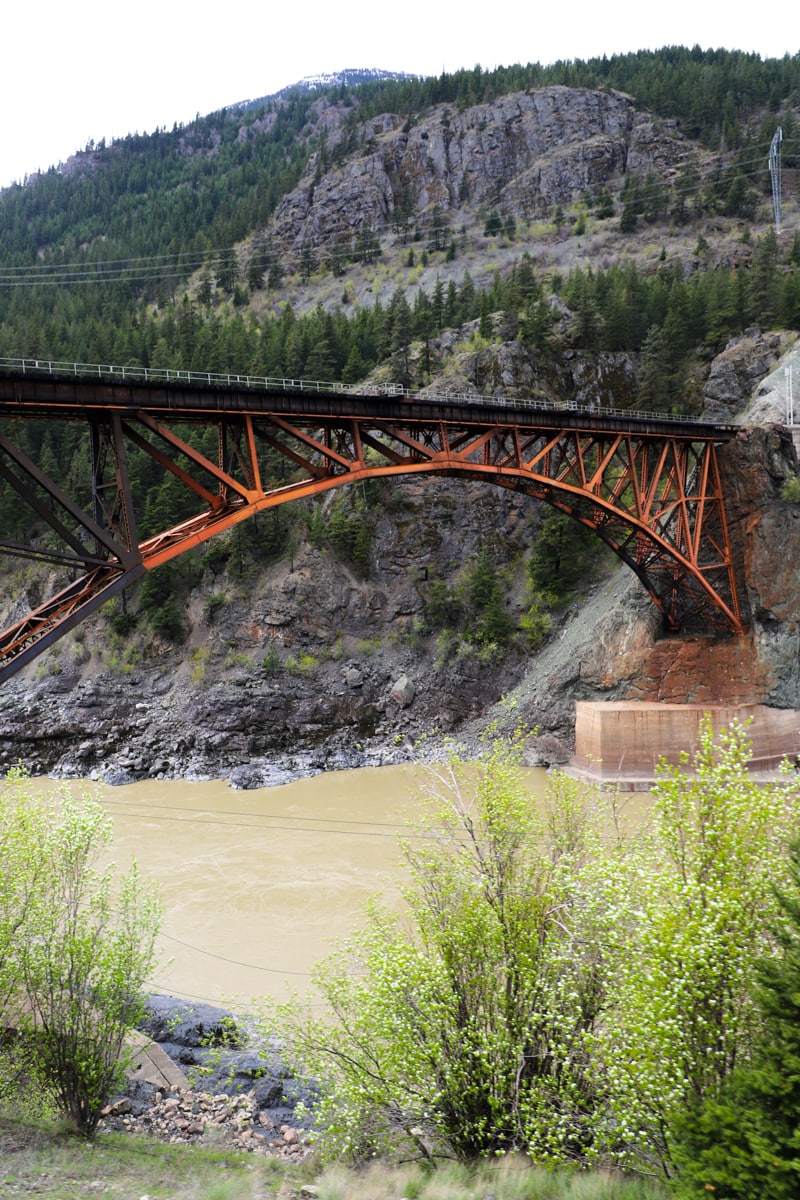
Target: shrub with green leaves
[[462, 1026], [557, 988], [742, 1143], [76, 944], [790, 490], [700, 897]]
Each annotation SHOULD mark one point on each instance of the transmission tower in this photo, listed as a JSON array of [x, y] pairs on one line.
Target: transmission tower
[[775, 175]]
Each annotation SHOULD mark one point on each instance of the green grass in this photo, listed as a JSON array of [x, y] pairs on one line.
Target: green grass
[[44, 1161], [53, 1165]]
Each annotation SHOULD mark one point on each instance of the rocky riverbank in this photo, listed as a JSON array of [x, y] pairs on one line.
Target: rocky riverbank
[[304, 666], [239, 1091]]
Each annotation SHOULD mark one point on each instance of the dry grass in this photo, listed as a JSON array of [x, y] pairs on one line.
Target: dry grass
[[511, 1179], [46, 1162]]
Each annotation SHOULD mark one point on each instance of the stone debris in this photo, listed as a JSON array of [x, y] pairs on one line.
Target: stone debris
[[403, 691], [187, 1116]]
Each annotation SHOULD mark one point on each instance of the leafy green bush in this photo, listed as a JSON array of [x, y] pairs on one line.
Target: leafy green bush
[[742, 1142], [558, 991], [465, 1029], [790, 491], [694, 919], [213, 605], [536, 623], [74, 949], [271, 661]]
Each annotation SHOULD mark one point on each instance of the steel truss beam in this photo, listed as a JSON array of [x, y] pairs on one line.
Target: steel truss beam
[[653, 495]]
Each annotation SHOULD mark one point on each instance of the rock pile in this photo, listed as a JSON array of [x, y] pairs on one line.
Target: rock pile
[[239, 1092], [188, 1116]]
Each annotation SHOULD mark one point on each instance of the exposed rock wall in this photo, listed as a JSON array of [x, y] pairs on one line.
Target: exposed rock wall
[[524, 154], [351, 675]]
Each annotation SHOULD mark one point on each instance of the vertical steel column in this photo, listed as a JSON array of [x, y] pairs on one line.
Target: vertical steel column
[[127, 513]]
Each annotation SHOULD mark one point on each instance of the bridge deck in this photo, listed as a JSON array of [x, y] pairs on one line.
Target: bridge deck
[[51, 395]]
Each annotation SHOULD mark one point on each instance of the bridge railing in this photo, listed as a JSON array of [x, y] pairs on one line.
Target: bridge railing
[[112, 373]]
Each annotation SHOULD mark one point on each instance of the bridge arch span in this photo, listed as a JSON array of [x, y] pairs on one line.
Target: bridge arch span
[[650, 489]]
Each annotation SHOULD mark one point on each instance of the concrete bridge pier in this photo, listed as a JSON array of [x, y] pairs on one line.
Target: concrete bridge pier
[[621, 742]]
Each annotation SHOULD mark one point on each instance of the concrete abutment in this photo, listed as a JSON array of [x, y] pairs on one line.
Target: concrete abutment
[[622, 742]]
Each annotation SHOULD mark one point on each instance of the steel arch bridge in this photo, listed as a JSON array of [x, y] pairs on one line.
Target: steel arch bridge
[[650, 487]]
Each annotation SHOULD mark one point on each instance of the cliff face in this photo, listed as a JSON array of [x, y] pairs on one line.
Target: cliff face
[[522, 154], [304, 665]]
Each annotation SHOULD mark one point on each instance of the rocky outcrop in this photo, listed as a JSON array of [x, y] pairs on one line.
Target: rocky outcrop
[[522, 154], [308, 666], [736, 373], [509, 369], [191, 1115]]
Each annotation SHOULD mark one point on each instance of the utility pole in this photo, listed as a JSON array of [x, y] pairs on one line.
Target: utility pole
[[775, 175], [789, 398]]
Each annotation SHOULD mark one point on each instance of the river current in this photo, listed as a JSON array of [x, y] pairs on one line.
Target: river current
[[257, 885]]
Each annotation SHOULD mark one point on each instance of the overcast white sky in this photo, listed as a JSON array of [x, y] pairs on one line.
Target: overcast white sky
[[86, 69]]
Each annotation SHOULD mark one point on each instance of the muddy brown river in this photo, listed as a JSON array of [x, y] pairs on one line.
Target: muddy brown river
[[256, 885]]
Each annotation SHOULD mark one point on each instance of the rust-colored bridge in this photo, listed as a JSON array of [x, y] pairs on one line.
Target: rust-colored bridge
[[648, 486]]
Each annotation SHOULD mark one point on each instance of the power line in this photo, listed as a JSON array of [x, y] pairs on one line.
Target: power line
[[280, 828], [233, 961], [267, 816], [177, 265]]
